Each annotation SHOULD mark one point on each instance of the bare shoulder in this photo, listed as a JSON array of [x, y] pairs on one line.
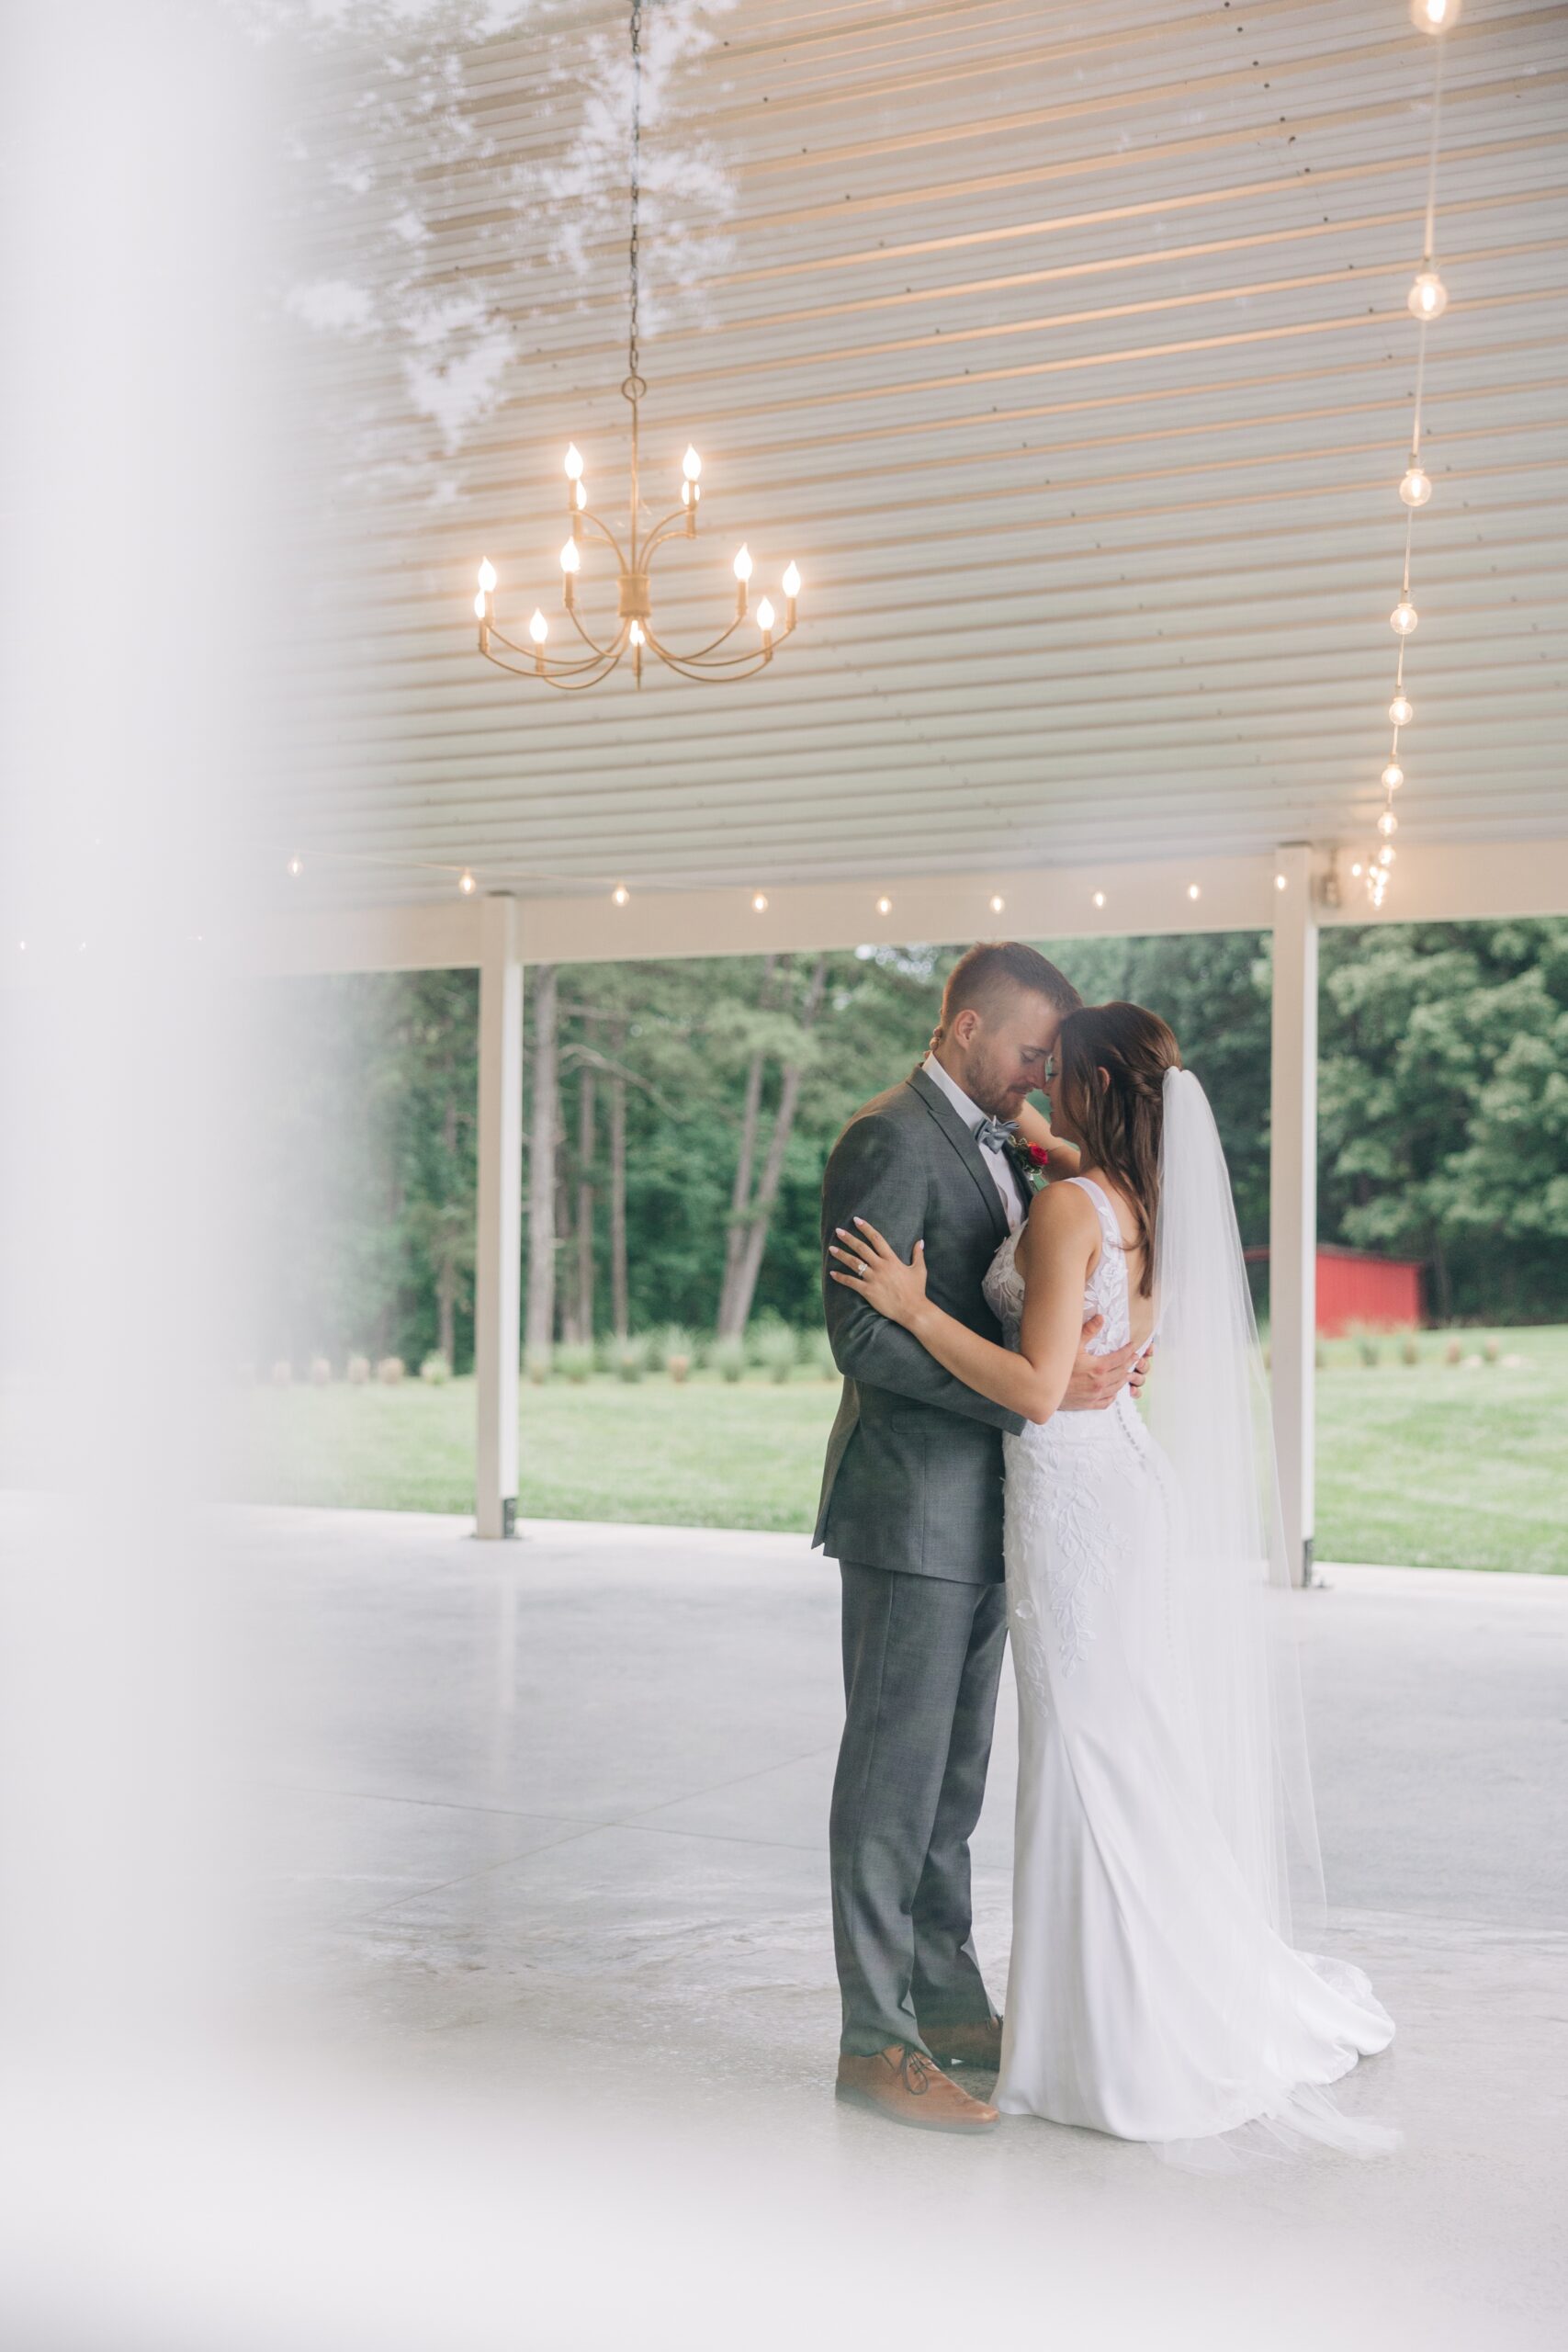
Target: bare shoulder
[[1062, 1208], [1062, 1221]]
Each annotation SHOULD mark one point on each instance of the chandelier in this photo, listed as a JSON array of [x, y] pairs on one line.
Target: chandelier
[[574, 670]]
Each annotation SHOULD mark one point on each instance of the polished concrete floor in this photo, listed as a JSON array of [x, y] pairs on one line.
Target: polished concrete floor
[[548, 1824]]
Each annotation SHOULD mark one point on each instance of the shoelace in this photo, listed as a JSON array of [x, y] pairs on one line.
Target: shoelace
[[917, 2070]]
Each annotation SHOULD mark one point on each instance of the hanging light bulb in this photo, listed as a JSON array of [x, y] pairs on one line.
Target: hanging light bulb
[[573, 463], [884, 906], [997, 905], [1392, 776], [1281, 881], [1356, 871], [486, 575], [1385, 854], [1428, 297], [1193, 891], [538, 627], [1434, 16], [620, 894], [1388, 823], [759, 903], [1404, 616], [1401, 710], [1099, 898], [465, 883], [1416, 488]]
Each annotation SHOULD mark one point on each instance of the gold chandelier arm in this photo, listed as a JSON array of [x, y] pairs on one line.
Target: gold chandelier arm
[[615, 644], [607, 536], [673, 526], [552, 667], [526, 652], [725, 674], [702, 651], [580, 686]]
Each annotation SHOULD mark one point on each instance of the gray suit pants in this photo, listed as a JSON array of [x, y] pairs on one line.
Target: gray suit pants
[[922, 1659]]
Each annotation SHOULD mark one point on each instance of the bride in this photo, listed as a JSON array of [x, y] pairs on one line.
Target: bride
[[1165, 1853]]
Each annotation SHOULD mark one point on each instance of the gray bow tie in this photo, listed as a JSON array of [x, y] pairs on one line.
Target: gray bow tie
[[994, 1134]]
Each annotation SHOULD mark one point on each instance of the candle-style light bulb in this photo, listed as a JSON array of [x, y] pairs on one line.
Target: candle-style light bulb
[[634, 635], [743, 566], [486, 575], [1428, 297], [759, 903], [765, 617], [1404, 616], [791, 581], [997, 903], [575, 463], [1434, 16], [691, 464], [480, 605], [572, 557], [1415, 486], [538, 627], [884, 906], [620, 894], [1392, 776], [579, 495], [1402, 710]]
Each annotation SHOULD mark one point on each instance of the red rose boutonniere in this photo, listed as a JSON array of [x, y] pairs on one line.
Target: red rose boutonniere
[[1032, 1160]]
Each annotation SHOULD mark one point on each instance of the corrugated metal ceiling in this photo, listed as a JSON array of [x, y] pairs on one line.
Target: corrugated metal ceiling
[[1066, 352]]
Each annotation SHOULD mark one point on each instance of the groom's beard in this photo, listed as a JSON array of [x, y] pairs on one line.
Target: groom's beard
[[1001, 1097]]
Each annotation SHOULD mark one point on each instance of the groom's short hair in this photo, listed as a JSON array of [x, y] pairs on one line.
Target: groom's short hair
[[997, 968]]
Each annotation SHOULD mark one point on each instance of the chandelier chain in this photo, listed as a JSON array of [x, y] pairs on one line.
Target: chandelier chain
[[634, 386]]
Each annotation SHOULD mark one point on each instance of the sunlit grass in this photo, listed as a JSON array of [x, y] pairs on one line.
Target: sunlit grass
[[1424, 1465]]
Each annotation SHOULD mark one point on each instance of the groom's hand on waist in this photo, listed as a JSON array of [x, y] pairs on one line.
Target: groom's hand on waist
[[1096, 1382]]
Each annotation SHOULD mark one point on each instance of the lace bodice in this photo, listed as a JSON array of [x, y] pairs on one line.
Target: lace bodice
[[1105, 1293]]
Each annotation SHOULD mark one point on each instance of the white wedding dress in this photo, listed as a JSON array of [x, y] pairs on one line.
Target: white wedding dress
[[1152, 1992]]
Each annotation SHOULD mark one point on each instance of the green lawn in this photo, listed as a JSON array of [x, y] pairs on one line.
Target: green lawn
[[1425, 1466]]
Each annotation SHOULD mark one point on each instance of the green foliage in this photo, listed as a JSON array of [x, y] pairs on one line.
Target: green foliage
[[1444, 1107], [574, 1360], [1444, 1119], [727, 1358]]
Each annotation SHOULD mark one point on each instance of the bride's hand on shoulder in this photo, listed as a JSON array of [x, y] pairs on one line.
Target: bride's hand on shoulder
[[874, 1268]]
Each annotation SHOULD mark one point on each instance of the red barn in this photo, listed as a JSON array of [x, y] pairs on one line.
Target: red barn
[[1355, 1287]]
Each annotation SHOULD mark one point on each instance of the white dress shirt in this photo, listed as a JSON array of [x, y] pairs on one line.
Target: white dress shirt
[[971, 1114]]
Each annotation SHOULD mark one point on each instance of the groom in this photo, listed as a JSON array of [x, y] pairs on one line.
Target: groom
[[911, 1509]]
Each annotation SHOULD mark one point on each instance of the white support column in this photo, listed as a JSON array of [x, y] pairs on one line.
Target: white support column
[[1293, 1201], [498, 1335]]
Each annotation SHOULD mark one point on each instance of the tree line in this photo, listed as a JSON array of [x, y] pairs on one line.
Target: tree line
[[677, 1114]]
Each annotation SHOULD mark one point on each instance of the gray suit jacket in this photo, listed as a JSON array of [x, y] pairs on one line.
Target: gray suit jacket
[[913, 1477]]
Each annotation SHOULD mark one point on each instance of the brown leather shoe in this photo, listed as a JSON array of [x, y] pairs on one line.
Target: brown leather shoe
[[977, 2043], [904, 2085]]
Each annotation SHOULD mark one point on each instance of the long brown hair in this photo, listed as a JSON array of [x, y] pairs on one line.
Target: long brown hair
[[1122, 1115]]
